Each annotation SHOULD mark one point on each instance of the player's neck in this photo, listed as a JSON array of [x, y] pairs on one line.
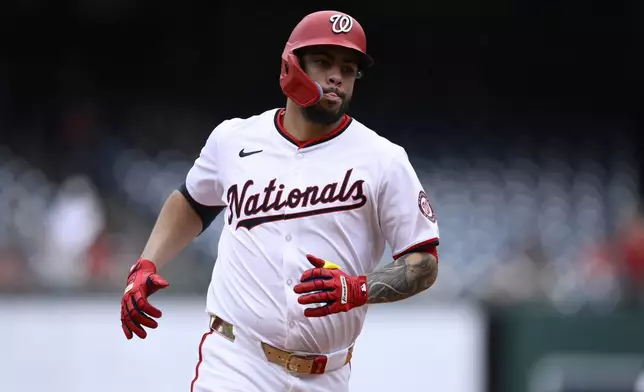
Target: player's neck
[[300, 128]]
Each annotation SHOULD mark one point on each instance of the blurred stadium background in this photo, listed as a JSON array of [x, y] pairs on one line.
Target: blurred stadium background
[[520, 117]]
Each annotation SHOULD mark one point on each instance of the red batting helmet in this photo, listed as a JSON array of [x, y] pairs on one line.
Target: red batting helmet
[[319, 28]]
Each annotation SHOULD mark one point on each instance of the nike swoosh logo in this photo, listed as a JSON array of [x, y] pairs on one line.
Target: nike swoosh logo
[[243, 154]]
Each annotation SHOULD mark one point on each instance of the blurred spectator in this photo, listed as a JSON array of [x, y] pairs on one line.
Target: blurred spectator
[[74, 222], [630, 246], [13, 274]]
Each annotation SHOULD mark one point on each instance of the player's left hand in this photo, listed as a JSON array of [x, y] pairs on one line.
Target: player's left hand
[[328, 284]]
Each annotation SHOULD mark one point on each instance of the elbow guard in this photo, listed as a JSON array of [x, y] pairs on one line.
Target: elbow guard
[[207, 214]]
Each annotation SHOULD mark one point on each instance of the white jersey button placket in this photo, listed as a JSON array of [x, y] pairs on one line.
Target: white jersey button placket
[[290, 252]]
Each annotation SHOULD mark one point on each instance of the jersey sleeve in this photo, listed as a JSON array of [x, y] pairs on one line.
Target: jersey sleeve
[[203, 181], [407, 219]]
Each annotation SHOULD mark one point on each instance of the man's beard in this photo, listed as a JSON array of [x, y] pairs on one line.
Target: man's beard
[[318, 114]]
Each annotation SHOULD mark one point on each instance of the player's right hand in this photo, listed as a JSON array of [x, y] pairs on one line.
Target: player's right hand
[[136, 311]]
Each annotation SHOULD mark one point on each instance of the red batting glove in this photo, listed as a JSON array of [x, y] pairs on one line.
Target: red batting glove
[[142, 282], [339, 291]]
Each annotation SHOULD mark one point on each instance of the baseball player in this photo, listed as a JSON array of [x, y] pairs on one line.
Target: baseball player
[[311, 197]]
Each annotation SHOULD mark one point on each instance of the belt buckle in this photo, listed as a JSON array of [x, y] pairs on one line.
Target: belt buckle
[[287, 364], [318, 363]]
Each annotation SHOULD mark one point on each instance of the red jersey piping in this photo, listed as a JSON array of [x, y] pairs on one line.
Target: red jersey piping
[[422, 246], [279, 125]]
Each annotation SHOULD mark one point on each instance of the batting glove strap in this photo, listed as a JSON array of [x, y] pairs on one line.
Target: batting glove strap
[[354, 290], [333, 289]]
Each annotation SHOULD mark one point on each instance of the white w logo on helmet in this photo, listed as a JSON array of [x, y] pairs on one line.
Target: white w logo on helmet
[[341, 23]]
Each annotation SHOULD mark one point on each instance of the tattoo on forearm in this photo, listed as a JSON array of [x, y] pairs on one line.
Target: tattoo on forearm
[[405, 277]]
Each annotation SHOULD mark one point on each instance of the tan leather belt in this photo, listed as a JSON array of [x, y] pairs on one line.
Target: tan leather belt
[[223, 327], [292, 362]]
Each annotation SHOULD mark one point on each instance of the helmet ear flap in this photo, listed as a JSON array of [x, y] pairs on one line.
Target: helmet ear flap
[[297, 85]]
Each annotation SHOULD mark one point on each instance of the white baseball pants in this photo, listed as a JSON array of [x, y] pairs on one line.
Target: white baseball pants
[[241, 366]]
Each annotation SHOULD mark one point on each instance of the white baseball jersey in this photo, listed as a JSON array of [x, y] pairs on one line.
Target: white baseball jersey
[[340, 198]]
